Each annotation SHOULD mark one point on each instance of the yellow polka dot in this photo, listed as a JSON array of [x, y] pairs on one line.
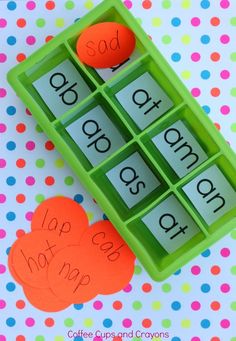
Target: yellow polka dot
[[186, 288], [156, 22], [186, 39], [60, 22], [186, 323], [186, 4], [89, 4], [186, 74], [90, 216]]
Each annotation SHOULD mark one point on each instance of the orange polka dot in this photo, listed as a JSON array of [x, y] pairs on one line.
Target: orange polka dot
[[49, 180], [217, 125], [48, 38], [117, 338], [146, 287], [215, 338], [117, 305], [20, 57], [215, 270], [215, 56], [20, 163], [20, 338], [20, 128], [21, 22], [49, 322], [215, 92], [49, 145], [20, 304], [147, 4], [50, 5], [20, 198], [20, 233], [215, 305], [215, 21], [146, 323]]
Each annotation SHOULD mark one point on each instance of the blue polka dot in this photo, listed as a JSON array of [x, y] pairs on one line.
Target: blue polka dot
[[176, 22], [78, 306], [78, 338], [107, 323], [207, 110], [11, 5], [105, 217], [205, 39], [79, 198], [205, 74], [11, 110], [8, 250], [205, 323], [176, 305], [10, 286], [11, 145], [11, 181], [176, 57], [206, 253], [76, 19], [178, 272], [175, 338], [205, 288], [11, 40], [10, 216], [205, 4], [10, 322]]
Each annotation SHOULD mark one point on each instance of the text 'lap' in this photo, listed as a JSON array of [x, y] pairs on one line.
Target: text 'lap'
[[132, 179], [180, 149], [171, 225], [144, 100], [62, 88], [211, 194], [96, 135]]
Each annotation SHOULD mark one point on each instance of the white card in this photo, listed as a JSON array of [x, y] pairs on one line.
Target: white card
[[180, 148], [144, 100], [106, 74], [170, 224], [62, 88], [96, 135], [211, 194], [132, 179]]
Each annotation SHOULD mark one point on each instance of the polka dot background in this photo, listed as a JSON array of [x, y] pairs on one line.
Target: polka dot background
[[198, 302]]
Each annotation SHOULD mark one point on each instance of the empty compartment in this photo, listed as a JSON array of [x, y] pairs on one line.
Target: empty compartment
[[143, 95], [129, 181], [94, 133], [57, 83], [181, 143], [212, 194]]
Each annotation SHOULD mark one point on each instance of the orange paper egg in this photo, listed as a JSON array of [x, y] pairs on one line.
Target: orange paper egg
[[105, 44]]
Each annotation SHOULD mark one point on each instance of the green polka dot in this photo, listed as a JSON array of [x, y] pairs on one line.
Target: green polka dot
[[89, 4], [233, 233], [59, 163], [138, 270], [39, 198], [136, 339], [233, 270], [137, 305], [166, 323], [166, 4], [60, 22], [88, 322], [186, 4], [139, 21], [156, 305], [233, 305], [186, 288], [233, 57], [166, 287], [233, 92], [59, 338], [69, 180], [39, 338], [166, 39], [233, 128], [40, 163], [186, 74], [186, 323], [233, 21], [40, 22], [186, 39], [69, 5], [38, 129], [69, 322], [156, 22]]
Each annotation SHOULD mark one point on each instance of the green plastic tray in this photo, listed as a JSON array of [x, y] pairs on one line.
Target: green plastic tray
[[129, 221]]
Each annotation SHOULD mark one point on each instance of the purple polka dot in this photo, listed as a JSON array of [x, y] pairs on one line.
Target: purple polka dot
[[128, 288], [29, 322], [224, 4], [195, 305], [225, 110], [3, 57], [30, 180], [3, 23], [2, 198], [195, 56], [195, 21], [2, 233], [128, 4], [2, 163], [225, 74], [30, 40], [97, 305], [29, 216], [225, 39], [225, 323], [225, 252], [196, 270], [196, 92], [30, 145], [2, 269], [127, 323], [3, 128], [30, 5], [225, 288], [3, 92], [2, 338], [2, 304]]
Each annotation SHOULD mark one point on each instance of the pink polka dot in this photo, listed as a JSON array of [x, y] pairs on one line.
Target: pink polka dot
[[2, 233], [196, 305], [195, 56], [225, 74], [127, 323], [30, 40], [97, 305], [225, 323], [195, 21], [225, 252], [195, 338], [128, 4], [2, 198], [195, 270], [2, 163], [225, 110], [128, 288], [225, 288], [30, 145], [30, 5], [2, 269], [3, 57], [2, 304], [97, 338], [29, 216], [2, 338], [3, 128], [225, 39], [30, 180], [224, 4], [3, 92], [196, 92], [29, 322], [3, 23]]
